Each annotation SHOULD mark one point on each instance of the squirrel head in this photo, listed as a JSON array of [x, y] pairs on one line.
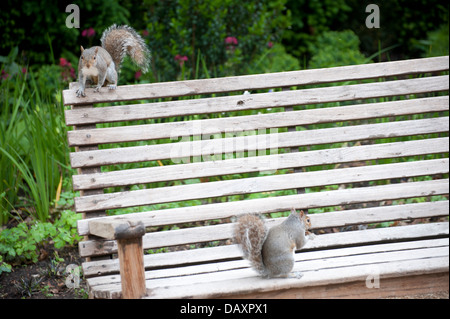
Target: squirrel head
[[302, 216], [88, 57]]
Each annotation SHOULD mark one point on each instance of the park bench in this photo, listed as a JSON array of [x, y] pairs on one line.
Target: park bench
[[362, 148]]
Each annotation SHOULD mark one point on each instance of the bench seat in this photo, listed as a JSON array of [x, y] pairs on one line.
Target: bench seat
[[363, 149]]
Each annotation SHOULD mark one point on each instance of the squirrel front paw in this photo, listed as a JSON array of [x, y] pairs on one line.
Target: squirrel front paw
[[112, 86], [80, 92]]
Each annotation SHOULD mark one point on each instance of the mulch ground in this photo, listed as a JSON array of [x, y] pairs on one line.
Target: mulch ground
[[46, 279]]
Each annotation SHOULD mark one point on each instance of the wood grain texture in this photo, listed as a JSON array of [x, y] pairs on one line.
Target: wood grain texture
[[132, 273], [261, 100], [285, 203], [319, 268], [410, 257], [237, 125], [259, 185], [260, 163], [251, 82]]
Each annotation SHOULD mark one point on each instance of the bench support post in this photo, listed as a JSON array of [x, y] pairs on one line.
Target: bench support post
[[131, 255], [132, 273]]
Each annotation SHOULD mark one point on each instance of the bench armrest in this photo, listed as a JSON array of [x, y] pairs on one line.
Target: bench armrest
[[116, 229], [130, 250]]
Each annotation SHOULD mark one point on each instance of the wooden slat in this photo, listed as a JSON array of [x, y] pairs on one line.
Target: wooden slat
[[338, 219], [306, 261], [208, 148], [310, 200], [244, 165], [251, 82], [331, 156], [335, 219], [184, 258], [213, 287], [260, 184], [266, 100], [256, 122]]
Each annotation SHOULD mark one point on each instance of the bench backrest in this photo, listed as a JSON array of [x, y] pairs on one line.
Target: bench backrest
[[357, 139]]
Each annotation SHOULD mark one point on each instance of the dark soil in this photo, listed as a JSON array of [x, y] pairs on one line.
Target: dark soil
[[46, 279]]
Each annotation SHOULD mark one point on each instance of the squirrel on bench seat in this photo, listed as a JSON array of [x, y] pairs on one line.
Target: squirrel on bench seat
[[101, 65], [271, 251]]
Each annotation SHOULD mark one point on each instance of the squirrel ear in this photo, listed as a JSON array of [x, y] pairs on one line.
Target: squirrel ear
[[302, 213], [82, 49], [96, 50]]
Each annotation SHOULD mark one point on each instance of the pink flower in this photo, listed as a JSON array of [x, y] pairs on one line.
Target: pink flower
[[63, 62], [181, 59], [67, 71], [145, 33], [231, 41], [138, 74], [4, 75], [24, 70], [270, 44], [88, 32]]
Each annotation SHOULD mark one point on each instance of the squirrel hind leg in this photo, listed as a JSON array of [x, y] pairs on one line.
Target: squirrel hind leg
[[111, 77]]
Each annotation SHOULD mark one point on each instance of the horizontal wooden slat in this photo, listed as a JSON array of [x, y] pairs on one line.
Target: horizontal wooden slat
[[259, 184], [303, 159], [184, 258], [256, 122], [244, 165], [314, 259], [251, 82], [265, 100], [244, 282], [181, 151], [156, 240], [304, 201], [177, 259], [306, 261], [335, 219]]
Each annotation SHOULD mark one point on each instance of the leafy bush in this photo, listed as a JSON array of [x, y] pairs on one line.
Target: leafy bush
[[23, 242], [336, 49], [33, 146], [217, 31], [437, 42]]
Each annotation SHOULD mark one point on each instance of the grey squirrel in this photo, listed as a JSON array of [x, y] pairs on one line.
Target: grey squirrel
[[101, 65], [271, 251]]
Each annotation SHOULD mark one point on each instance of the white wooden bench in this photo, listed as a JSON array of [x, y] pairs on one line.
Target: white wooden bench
[[358, 146]]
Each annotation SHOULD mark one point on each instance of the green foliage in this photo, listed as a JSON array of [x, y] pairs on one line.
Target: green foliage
[[310, 18], [437, 42], [336, 49], [275, 59], [32, 26], [33, 148], [403, 24], [4, 267], [193, 28], [21, 243]]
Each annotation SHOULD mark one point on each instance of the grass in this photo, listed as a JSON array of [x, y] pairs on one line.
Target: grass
[[33, 148]]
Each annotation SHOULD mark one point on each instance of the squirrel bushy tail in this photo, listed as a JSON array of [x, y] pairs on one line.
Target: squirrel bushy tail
[[271, 251], [250, 233], [123, 40]]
